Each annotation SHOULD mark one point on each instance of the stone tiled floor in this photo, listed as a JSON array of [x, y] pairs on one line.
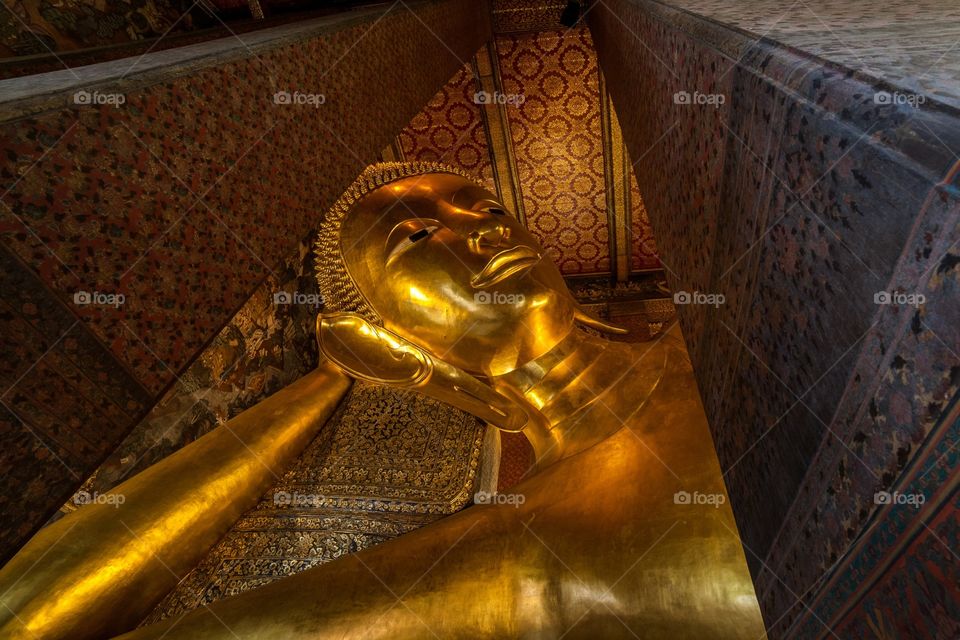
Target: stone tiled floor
[[911, 43]]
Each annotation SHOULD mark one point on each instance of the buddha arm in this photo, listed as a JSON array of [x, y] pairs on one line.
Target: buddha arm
[[99, 570], [597, 543]]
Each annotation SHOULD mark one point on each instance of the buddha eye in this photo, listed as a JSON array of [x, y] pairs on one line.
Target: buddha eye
[[411, 238], [495, 209]]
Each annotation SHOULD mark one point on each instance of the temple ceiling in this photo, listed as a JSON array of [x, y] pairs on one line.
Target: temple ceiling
[[530, 116]]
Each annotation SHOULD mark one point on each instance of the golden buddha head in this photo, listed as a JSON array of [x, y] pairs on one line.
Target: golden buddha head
[[427, 253]]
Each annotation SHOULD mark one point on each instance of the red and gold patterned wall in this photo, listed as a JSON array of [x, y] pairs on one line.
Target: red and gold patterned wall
[[556, 135], [450, 129], [550, 83]]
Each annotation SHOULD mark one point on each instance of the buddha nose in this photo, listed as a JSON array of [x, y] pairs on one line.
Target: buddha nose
[[490, 233]]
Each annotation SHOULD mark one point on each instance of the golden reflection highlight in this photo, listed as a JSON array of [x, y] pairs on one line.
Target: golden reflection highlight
[[98, 571]]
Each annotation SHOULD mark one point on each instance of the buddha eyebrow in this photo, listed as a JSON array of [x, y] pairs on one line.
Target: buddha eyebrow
[[419, 235]]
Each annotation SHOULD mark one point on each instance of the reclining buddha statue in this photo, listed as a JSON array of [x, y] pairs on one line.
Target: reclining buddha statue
[[623, 529]]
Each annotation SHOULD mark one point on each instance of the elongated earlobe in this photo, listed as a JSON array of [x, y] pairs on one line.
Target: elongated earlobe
[[580, 315]]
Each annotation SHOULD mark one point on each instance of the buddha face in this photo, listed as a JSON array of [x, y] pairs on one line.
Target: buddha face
[[446, 267]]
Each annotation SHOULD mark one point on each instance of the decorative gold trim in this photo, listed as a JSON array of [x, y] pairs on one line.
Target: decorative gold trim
[[541, 16], [616, 175], [496, 125]]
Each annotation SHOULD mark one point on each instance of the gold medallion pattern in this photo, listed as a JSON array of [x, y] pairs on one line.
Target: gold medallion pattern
[[556, 134]]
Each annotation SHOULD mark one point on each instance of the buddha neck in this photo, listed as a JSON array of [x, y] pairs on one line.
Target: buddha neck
[[586, 388]]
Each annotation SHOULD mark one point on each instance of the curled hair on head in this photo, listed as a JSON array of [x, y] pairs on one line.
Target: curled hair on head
[[339, 291]]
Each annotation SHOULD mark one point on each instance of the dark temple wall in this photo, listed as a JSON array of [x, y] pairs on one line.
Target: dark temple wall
[[183, 199], [801, 199]]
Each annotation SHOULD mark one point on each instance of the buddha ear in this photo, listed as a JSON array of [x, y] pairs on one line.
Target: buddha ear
[[369, 352]]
